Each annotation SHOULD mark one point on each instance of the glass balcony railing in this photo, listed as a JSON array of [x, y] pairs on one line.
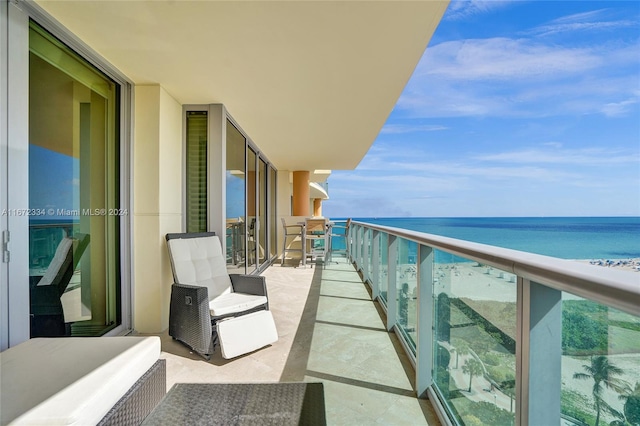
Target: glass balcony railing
[[43, 241], [503, 337]]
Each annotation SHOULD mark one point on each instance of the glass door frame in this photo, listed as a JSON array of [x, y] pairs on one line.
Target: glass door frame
[[14, 159], [218, 116], [259, 157]]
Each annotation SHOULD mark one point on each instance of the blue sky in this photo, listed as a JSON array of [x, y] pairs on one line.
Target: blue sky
[[516, 108]]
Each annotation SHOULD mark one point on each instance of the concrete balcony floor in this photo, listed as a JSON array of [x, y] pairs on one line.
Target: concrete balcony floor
[[329, 331]]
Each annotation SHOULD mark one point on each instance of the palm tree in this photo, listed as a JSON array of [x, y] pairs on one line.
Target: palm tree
[[509, 387], [632, 405], [472, 367], [602, 372], [461, 347]]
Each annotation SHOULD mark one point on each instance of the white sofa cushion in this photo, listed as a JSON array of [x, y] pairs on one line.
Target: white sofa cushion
[[234, 302], [70, 381], [200, 261], [246, 333]]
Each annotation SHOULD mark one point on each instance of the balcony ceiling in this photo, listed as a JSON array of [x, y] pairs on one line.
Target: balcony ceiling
[[310, 82]]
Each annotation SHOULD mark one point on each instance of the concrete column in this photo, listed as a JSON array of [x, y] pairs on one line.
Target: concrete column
[[317, 207], [157, 173], [301, 193]]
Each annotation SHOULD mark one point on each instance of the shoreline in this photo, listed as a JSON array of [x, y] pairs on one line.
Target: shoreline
[[630, 263], [481, 282]]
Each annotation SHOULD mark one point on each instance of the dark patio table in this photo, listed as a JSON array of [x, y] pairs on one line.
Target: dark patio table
[[241, 404]]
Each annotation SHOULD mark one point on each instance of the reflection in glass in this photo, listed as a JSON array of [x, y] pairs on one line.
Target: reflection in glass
[[406, 285], [368, 238], [73, 193], [383, 285], [251, 211], [262, 209], [600, 363], [475, 332], [235, 190]]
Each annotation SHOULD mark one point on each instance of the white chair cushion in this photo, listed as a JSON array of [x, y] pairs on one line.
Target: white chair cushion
[[246, 333], [71, 380], [234, 302], [59, 263], [200, 261]]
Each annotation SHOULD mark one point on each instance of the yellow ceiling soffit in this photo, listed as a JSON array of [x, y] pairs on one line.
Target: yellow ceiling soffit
[[311, 82]]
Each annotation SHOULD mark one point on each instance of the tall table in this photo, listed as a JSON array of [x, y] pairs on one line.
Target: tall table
[[241, 404]]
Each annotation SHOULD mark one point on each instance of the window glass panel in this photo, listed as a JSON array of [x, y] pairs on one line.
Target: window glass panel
[[369, 254], [196, 171], [73, 193], [474, 347], [406, 281], [600, 360], [235, 188], [383, 285]]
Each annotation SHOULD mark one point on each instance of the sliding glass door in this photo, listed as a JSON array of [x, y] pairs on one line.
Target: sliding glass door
[[74, 207], [252, 211], [235, 202]]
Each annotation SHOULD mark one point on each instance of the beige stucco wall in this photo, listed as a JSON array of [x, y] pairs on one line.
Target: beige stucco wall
[[283, 202], [157, 179]]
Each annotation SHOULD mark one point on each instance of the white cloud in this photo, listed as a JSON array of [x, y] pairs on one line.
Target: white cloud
[[503, 59], [580, 17], [547, 30], [522, 78], [584, 157], [617, 109], [410, 128], [444, 176], [591, 21], [463, 9]]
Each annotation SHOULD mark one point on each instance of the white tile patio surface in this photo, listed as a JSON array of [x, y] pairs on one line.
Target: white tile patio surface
[[329, 331]]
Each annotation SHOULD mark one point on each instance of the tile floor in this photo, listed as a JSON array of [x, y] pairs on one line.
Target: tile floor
[[329, 331]]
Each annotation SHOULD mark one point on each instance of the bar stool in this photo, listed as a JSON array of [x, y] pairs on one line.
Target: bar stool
[[293, 233], [316, 238]]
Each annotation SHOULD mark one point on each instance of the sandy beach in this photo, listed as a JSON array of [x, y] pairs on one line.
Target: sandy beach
[[486, 283], [475, 284], [632, 264]]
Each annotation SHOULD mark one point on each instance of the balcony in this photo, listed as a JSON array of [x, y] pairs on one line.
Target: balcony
[[510, 337], [330, 331], [489, 335]]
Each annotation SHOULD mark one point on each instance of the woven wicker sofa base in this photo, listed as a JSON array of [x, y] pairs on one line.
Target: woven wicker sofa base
[[140, 399]]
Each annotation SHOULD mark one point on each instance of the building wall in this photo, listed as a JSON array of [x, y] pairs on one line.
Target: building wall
[[157, 202], [283, 203]]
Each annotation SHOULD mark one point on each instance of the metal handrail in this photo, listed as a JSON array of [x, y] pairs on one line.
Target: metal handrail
[[615, 288]]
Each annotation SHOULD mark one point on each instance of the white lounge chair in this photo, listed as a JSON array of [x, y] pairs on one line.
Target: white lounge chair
[[210, 305]]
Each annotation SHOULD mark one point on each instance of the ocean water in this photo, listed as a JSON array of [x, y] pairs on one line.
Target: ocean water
[[563, 237]]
